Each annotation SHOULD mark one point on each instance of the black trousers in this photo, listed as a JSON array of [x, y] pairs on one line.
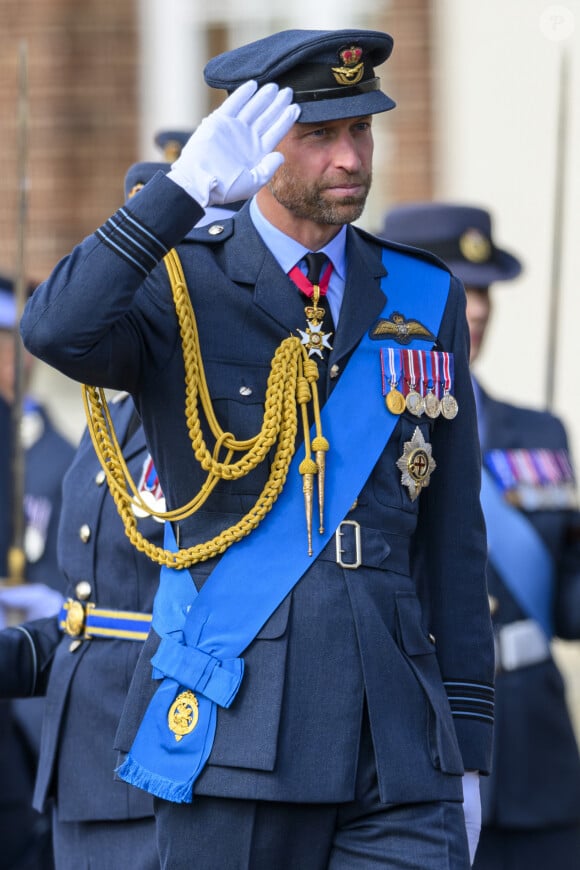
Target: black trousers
[[539, 849]]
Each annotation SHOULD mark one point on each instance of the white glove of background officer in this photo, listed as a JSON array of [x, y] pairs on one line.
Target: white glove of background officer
[[230, 156], [28, 601], [472, 810]]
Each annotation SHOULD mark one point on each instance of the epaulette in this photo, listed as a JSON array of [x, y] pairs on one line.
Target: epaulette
[[421, 254]]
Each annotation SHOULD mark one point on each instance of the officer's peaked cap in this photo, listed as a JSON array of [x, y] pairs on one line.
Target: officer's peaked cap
[[172, 142], [139, 174], [461, 235], [332, 72]]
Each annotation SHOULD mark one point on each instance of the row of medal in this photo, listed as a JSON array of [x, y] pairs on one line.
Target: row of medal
[[419, 381], [534, 479]]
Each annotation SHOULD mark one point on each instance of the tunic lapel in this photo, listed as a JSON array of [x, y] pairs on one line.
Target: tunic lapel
[[250, 262]]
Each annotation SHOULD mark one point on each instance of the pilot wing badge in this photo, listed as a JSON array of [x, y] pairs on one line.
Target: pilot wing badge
[[403, 331]]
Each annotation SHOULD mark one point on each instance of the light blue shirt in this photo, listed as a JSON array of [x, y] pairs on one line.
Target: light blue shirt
[[288, 253]]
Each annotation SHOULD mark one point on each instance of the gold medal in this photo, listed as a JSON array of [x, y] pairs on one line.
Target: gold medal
[[432, 405], [395, 401], [415, 402], [449, 406]]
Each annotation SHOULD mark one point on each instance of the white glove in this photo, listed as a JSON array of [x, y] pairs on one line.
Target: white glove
[[230, 155], [28, 601], [472, 810]]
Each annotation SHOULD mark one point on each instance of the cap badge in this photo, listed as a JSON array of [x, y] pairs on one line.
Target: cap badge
[[352, 69], [474, 246], [416, 464], [135, 189]]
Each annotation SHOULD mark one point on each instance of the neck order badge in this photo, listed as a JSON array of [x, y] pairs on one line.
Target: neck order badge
[[314, 285]]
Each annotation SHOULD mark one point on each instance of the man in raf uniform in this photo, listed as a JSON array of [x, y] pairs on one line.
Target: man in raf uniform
[[531, 801], [312, 705]]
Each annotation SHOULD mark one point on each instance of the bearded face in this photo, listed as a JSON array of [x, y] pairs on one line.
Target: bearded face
[[319, 199]]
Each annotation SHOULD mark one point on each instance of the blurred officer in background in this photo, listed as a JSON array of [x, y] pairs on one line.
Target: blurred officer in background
[[24, 833], [5, 483], [83, 660], [531, 802], [47, 455]]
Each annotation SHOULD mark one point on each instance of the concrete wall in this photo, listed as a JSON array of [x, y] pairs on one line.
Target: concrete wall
[[499, 141]]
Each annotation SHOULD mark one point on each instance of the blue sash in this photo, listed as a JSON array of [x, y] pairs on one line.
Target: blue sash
[[519, 555], [204, 636]]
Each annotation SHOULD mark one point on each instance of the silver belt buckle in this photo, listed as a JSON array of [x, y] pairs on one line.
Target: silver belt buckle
[[357, 544]]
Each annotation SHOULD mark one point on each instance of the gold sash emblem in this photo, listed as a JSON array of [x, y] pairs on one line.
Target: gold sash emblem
[[183, 714], [416, 464], [352, 69]]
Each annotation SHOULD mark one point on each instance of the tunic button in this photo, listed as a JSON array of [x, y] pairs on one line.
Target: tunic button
[[100, 478], [83, 590], [431, 638], [215, 230], [85, 533], [334, 370], [246, 391]]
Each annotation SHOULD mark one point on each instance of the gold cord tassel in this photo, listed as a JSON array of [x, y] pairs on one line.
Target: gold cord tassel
[[308, 467], [320, 444]]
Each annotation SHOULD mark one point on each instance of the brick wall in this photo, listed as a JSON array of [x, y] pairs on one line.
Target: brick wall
[[82, 130], [82, 120], [408, 71]]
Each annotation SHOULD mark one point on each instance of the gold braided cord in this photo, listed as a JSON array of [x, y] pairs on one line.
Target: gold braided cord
[[279, 427]]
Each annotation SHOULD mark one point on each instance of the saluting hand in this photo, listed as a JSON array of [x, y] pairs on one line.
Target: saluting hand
[[230, 155]]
